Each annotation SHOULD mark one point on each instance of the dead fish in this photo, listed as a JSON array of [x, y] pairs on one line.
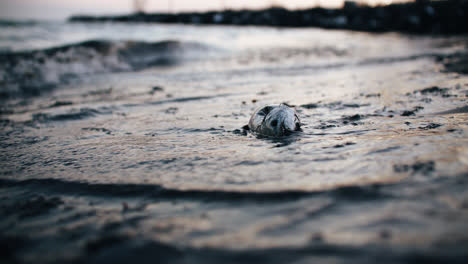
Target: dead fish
[[274, 120]]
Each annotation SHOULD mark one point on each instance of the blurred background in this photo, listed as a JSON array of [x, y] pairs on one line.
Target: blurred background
[[56, 9]]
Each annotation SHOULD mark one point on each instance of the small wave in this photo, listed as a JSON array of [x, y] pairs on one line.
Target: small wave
[[71, 115], [31, 73], [157, 192]]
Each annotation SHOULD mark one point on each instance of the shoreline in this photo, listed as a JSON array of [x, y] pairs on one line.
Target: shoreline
[[421, 17]]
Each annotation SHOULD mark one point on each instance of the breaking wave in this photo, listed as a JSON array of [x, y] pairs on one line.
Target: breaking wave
[[30, 73]]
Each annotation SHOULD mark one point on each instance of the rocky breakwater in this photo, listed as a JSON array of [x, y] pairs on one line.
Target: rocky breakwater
[[430, 17]]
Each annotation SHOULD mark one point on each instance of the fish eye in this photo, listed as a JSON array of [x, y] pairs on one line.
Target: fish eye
[[274, 123]]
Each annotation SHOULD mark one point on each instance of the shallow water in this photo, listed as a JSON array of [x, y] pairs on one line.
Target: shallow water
[[130, 147]]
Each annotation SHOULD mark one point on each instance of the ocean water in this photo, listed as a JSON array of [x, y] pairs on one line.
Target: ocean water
[[124, 142]]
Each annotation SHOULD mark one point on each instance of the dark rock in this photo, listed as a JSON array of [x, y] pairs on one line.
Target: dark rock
[[419, 167], [97, 129], [355, 117], [171, 110], [433, 90], [412, 112], [242, 132], [429, 17], [325, 126], [352, 105], [156, 89], [309, 106], [430, 126], [408, 113]]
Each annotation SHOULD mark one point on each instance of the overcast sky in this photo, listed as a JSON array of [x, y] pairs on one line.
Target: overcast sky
[[61, 9]]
